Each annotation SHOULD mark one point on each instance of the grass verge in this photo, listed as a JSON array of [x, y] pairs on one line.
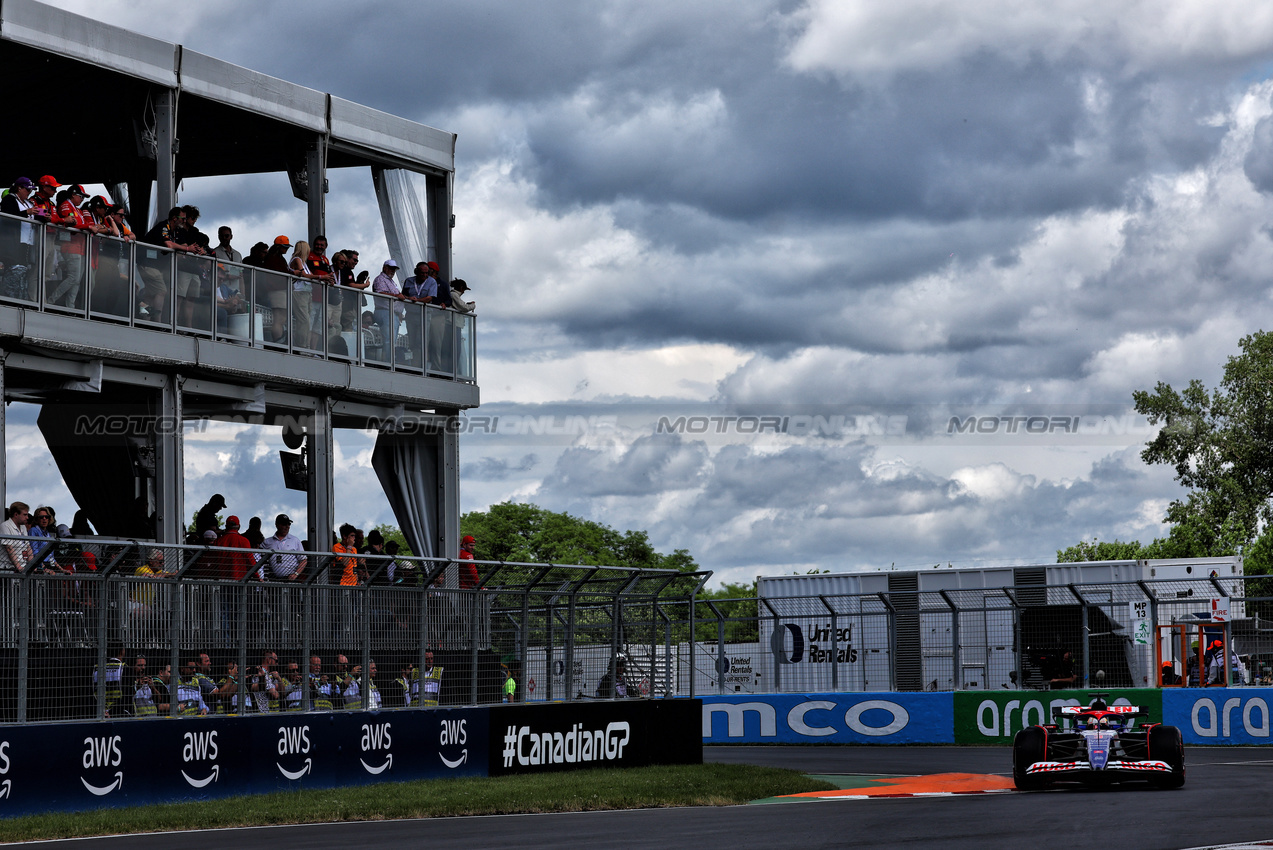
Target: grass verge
[[573, 791]]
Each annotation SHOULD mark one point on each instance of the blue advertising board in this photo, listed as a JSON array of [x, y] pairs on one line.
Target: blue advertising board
[[883, 718], [72, 767], [1219, 715]]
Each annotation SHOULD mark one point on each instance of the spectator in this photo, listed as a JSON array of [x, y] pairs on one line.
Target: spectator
[[230, 302], [43, 528], [109, 289], [468, 570], [272, 292], [72, 243], [256, 256], [458, 289], [389, 306], [80, 526], [302, 298], [142, 689], [229, 700], [266, 684], [352, 570], [616, 686], [230, 275], [206, 519], [18, 553], [166, 234], [285, 567], [324, 316], [17, 251], [357, 283], [427, 687], [254, 534], [421, 288], [444, 292], [293, 688], [320, 689]]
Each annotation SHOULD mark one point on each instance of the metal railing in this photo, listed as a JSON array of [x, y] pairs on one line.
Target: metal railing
[[96, 628], [103, 279]]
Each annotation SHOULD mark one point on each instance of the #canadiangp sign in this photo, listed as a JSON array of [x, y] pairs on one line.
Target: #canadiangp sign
[[619, 733], [884, 718]]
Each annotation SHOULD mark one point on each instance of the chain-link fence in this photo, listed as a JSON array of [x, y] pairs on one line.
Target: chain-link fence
[[1119, 634], [102, 628]]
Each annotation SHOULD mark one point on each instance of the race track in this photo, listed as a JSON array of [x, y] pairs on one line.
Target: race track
[[1224, 801]]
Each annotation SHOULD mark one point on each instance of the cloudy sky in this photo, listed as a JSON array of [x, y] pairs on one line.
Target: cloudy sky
[[883, 213]]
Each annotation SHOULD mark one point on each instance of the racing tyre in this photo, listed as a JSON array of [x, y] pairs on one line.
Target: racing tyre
[[1165, 744], [1030, 746]]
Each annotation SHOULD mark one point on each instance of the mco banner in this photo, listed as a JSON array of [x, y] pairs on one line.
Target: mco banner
[[885, 718], [995, 717], [81, 766], [1219, 715], [618, 733]]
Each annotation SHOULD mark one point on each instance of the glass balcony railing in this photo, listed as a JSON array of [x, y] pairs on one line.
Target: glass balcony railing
[[103, 279]]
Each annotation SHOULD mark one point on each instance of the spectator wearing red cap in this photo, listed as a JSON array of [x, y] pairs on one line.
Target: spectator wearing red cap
[[44, 207], [233, 565], [73, 244], [468, 570]]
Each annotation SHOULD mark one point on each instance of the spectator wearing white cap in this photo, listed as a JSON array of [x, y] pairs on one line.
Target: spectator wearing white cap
[[385, 285]]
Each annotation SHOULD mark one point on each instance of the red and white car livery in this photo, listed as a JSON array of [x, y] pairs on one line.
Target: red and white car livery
[[1098, 744]]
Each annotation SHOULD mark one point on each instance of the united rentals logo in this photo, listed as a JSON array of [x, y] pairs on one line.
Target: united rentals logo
[[579, 745]]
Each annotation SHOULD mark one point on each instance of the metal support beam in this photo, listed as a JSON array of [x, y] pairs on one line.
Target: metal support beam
[[449, 491], [316, 175], [170, 524], [320, 448], [165, 157], [440, 192]]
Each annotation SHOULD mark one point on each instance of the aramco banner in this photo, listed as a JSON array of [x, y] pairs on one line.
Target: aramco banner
[[995, 717], [883, 718]]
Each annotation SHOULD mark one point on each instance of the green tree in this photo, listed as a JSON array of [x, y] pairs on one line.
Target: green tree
[[512, 531], [1220, 443]]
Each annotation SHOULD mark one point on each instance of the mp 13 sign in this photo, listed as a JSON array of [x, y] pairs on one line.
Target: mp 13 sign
[[1140, 630]]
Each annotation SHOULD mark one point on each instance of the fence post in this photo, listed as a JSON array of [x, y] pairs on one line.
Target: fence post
[[775, 643], [473, 604], [835, 646], [956, 656], [891, 621], [720, 647], [1087, 661], [24, 639]]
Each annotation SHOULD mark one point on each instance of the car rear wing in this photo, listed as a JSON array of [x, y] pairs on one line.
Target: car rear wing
[[1078, 711]]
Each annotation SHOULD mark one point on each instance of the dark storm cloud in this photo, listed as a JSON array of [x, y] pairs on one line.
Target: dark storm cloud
[[497, 469]]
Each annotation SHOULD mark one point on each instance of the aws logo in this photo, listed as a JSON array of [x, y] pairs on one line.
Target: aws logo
[[7, 785], [200, 747], [377, 736], [103, 753], [454, 733], [294, 741]]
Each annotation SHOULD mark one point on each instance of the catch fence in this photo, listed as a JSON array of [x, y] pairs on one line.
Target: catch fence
[[1114, 634], [97, 628]]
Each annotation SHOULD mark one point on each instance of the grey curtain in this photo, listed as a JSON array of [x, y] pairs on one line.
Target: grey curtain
[[404, 212], [407, 466]]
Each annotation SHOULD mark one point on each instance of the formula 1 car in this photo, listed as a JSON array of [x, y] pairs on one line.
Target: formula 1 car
[[1098, 746]]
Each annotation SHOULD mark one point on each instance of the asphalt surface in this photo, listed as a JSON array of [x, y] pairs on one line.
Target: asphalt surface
[[1226, 799]]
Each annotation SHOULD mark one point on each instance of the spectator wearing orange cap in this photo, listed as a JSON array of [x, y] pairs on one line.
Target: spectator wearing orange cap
[[468, 570], [274, 290]]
